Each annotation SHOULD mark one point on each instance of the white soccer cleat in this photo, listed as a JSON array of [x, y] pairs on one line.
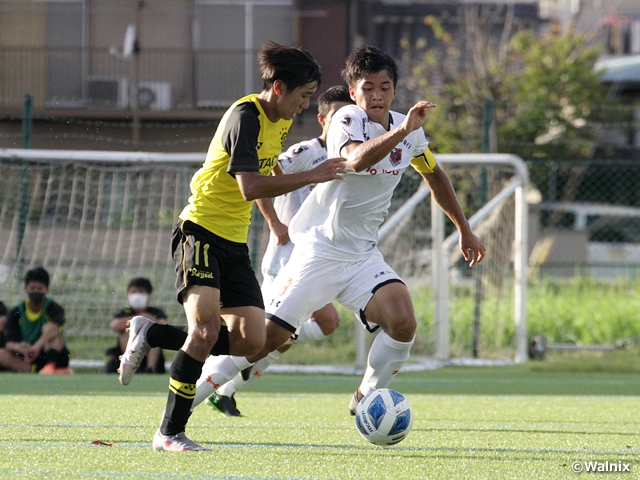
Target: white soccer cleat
[[137, 348], [175, 443], [355, 400]]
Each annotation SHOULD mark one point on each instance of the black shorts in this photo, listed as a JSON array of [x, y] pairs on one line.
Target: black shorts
[[203, 258]]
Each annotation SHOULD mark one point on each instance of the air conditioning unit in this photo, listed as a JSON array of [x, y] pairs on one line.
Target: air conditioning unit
[[154, 95], [108, 91]]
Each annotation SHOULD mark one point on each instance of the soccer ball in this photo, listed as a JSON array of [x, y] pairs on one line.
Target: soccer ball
[[384, 417]]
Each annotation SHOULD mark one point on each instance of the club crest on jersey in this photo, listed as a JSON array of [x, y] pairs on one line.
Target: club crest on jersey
[[346, 121], [300, 149], [396, 156]]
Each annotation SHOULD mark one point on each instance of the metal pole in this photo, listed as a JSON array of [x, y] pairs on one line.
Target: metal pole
[[519, 188], [479, 292], [135, 113], [440, 274], [520, 252], [23, 196], [248, 48]]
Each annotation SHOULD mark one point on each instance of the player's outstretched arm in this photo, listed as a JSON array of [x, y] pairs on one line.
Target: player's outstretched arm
[[253, 185], [472, 248], [361, 156]]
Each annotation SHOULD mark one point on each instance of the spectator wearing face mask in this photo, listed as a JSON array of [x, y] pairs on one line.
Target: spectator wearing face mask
[[138, 298], [33, 332]]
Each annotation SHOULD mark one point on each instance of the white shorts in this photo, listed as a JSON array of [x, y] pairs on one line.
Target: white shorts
[[307, 283]]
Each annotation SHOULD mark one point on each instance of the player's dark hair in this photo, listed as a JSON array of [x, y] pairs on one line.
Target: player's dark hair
[[292, 65], [37, 274], [366, 60], [140, 282], [338, 93]]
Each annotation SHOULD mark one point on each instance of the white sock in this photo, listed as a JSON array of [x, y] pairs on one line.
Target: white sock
[[238, 383], [216, 371], [310, 330], [386, 358]]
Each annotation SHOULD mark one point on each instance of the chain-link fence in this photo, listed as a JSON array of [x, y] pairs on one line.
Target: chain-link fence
[[586, 218]]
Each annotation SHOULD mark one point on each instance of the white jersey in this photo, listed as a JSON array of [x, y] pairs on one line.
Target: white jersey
[[300, 157], [340, 219]]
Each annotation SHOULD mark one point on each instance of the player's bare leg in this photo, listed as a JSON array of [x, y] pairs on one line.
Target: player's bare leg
[[391, 308], [221, 369], [322, 323], [246, 333]]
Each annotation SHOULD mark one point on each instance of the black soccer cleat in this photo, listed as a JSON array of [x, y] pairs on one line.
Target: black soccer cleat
[[223, 404]]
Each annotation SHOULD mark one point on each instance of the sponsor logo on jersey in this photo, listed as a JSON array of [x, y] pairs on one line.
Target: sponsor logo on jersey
[[384, 171], [300, 149], [346, 121], [194, 272], [259, 145], [267, 164], [395, 156]]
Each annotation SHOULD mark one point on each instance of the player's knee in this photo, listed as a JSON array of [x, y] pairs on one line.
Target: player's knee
[[50, 330], [402, 328], [254, 344], [331, 325], [328, 320], [205, 335]]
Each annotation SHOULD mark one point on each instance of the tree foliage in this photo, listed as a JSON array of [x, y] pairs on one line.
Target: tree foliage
[[547, 99]]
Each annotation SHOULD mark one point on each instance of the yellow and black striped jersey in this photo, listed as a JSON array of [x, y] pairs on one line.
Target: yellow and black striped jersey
[[245, 141]]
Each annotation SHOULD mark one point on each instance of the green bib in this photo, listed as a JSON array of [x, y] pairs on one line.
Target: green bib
[[32, 329]]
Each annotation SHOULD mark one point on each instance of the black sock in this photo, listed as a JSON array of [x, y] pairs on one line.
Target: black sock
[[221, 347], [185, 371], [169, 337], [51, 356]]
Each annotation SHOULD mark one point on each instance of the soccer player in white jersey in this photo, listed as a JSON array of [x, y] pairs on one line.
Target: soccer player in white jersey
[[335, 232], [300, 157]]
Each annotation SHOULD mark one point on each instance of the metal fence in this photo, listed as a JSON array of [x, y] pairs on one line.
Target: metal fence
[[586, 217]]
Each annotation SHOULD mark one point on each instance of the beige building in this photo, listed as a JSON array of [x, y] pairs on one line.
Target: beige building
[[154, 75]]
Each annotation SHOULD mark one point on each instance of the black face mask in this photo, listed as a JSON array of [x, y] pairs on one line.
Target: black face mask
[[36, 297]]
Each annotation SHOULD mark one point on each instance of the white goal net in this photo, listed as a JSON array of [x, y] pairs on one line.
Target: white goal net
[[94, 220], [97, 219], [464, 312]]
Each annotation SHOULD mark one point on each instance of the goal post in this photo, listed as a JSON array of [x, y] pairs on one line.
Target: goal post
[[95, 219], [516, 187], [422, 253]]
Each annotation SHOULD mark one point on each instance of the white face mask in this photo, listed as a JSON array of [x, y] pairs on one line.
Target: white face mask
[[138, 300]]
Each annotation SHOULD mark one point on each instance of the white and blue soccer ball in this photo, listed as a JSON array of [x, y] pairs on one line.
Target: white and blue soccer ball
[[384, 417]]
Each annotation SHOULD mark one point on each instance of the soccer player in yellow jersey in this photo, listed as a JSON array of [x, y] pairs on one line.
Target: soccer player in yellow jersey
[[335, 231], [215, 281]]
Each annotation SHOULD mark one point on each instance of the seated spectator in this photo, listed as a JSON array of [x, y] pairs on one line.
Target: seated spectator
[[9, 361], [138, 297], [33, 332]]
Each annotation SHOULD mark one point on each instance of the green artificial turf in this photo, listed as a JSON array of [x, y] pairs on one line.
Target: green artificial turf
[[493, 423]]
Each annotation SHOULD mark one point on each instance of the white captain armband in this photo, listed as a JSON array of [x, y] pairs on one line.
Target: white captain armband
[[425, 163]]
